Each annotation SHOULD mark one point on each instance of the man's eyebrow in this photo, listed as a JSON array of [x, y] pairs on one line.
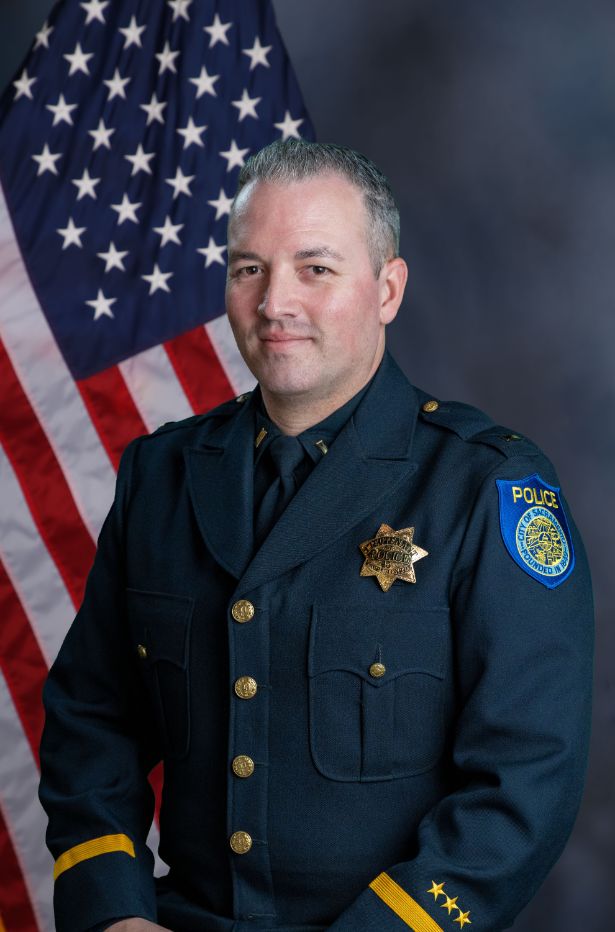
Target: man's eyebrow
[[319, 252], [235, 255]]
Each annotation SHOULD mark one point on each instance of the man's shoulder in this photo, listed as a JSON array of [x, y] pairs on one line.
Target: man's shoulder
[[472, 425], [204, 423]]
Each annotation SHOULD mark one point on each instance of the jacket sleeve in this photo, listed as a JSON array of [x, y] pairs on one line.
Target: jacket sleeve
[[97, 749], [523, 661]]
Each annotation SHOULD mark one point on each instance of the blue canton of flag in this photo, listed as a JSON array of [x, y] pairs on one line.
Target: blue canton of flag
[[122, 139]]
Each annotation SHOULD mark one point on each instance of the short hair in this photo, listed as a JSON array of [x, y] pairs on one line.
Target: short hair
[[289, 160]]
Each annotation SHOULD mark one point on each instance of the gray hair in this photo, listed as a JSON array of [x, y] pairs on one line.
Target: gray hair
[[289, 160]]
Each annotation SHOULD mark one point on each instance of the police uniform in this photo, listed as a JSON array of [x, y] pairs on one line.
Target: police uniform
[[377, 720]]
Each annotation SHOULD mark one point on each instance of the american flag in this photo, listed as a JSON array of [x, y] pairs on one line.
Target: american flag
[[120, 142]]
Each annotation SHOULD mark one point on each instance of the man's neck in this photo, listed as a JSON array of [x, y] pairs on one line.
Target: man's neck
[[295, 413]]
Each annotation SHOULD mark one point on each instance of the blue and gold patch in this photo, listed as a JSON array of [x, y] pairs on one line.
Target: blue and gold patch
[[535, 529]]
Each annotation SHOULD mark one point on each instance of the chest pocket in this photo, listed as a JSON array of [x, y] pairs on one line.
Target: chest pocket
[[160, 628], [376, 684]]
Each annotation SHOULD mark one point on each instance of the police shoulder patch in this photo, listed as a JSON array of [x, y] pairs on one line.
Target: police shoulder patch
[[535, 529]]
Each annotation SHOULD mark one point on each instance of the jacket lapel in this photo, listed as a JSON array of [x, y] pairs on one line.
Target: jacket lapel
[[221, 483], [368, 460]]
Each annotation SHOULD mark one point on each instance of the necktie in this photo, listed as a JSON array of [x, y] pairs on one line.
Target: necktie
[[286, 453]]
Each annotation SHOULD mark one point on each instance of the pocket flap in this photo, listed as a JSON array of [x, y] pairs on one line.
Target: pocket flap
[[160, 622], [353, 638]]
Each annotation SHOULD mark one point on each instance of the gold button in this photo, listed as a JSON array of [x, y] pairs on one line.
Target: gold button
[[243, 611], [142, 651], [240, 842], [243, 766], [246, 687], [377, 669], [430, 406]]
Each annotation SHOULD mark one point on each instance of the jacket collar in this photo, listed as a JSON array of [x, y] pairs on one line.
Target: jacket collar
[[367, 462]]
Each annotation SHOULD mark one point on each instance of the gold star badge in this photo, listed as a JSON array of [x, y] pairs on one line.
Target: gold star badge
[[391, 555], [436, 888], [451, 903], [462, 919]]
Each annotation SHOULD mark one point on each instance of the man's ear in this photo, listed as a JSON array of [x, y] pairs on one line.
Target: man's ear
[[392, 279]]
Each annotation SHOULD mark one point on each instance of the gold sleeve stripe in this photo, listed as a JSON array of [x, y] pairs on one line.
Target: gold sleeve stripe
[[106, 844], [403, 905]]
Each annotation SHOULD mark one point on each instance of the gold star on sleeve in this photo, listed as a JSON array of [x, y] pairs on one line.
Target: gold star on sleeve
[[463, 919], [450, 904], [436, 889]]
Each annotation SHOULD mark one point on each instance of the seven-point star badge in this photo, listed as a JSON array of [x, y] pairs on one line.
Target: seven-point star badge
[[391, 555]]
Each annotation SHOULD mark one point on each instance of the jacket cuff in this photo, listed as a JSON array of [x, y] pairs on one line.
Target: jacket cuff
[[101, 879], [387, 907]]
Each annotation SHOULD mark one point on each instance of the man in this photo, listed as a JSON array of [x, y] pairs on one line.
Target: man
[[354, 622]]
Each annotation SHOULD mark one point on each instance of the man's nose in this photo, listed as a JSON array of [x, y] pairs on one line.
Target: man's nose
[[279, 298]]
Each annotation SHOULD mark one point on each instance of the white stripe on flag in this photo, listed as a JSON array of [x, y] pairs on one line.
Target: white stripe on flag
[[50, 387], [33, 573], [160, 868], [25, 819], [222, 339], [154, 387]]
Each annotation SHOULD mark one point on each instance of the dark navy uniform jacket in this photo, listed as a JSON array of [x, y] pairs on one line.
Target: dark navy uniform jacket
[[433, 796]]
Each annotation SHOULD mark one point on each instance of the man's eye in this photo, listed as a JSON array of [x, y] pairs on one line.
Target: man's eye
[[247, 271], [319, 269]]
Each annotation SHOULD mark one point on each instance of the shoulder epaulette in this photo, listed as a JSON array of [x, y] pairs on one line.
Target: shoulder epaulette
[[474, 426], [224, 410]]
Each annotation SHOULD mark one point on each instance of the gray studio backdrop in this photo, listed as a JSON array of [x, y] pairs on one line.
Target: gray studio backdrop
[[495, 122]]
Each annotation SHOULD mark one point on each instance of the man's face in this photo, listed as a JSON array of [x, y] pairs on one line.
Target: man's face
[[306, 310]]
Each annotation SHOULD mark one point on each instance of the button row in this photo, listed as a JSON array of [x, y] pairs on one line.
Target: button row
[[246, 687]]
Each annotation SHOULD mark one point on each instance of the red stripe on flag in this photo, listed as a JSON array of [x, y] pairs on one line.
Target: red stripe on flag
[[199, 370], [15, 908], [112, 410], [22, 663], [44, 486]]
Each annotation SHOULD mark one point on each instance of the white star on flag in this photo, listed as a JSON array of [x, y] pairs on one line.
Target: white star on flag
[[116, 85], [169, 232], [61, 111], [217, 31], [158, 280], [234, 156], [140, 161], [86, 185], [101, 305], [257, 54], [127, 210], [94, 9], [71, 234], [212, 252], [205, 83], [154, 110], [167, 60], [192, 134], [180, 8], [23, 85], [101, 135], [247, 105], [78, 60], [114, 259], [289, 127], [222, 204], [132, 33], [47, 161], [180, 183], [42, 36]]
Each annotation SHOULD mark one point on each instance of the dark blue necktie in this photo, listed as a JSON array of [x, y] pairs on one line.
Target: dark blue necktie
[[286, 453]]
